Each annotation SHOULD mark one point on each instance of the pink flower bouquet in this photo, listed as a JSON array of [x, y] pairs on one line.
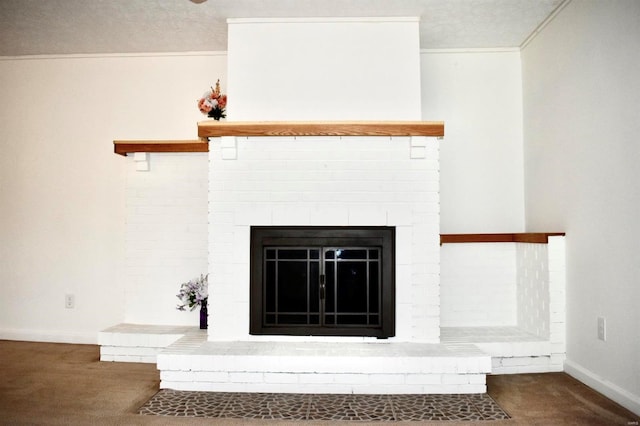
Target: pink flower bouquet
[[213, 103]]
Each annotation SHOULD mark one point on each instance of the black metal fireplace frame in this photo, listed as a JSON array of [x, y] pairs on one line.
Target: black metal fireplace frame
[[304, 236]]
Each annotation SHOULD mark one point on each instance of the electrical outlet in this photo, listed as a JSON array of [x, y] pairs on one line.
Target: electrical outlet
[[69, 301], [602, 329]]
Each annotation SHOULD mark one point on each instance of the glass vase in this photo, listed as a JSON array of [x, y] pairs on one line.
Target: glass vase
[[203, 315]]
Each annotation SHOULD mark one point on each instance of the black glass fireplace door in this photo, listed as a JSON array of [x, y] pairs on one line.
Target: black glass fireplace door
[[322, 281], [320, 286]]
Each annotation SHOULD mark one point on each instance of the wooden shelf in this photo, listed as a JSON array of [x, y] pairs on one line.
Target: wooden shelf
[[212, 128], [125, 147], [528, 237]]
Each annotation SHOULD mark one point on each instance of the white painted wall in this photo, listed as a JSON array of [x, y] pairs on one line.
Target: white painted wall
[[62, 190], [324, 69], [479, 97], [63, 212], [581, 92]]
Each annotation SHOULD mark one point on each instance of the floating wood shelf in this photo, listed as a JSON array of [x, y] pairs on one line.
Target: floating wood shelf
[[212, 128], [529, 237], [125, 147]]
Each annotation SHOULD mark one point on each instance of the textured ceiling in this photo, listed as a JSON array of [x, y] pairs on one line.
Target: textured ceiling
[[36, 27]]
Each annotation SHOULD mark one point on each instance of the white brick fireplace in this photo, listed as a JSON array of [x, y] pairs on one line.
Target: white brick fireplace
[[325, 182], [329, 70], [334, 70], [341, 69]]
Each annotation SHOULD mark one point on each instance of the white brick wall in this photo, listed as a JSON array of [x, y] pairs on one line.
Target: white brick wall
[[533, 288], [557, 303], [166, 235], [138, 343], [521, 284], [359, 368], [324, 181], [478, 284]]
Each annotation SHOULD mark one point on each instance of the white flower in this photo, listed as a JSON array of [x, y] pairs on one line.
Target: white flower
[[193, 293]]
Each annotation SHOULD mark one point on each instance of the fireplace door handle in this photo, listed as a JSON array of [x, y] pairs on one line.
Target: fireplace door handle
[[322, 287]]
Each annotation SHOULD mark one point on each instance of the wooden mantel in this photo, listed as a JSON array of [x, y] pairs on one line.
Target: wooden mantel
[[212, 128]]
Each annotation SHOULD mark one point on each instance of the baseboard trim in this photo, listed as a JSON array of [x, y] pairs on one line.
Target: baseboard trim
[[612, 391], [85, 338]]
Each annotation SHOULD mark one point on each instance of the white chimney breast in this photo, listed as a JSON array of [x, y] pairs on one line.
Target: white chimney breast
[[324, 69]]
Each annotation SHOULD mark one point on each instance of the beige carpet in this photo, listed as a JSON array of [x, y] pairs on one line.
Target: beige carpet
[[60, 384]]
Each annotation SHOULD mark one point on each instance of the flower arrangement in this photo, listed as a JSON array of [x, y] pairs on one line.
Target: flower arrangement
[[213, 103], [194, 293]]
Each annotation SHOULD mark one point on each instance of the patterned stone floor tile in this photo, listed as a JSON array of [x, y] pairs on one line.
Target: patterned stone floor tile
[[323, 407], [351, 407]]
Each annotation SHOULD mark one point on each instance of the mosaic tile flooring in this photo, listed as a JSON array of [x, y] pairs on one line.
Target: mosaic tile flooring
[[370, 408]]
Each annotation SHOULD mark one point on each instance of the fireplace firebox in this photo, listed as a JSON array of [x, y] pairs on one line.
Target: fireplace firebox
[[324, 281]]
